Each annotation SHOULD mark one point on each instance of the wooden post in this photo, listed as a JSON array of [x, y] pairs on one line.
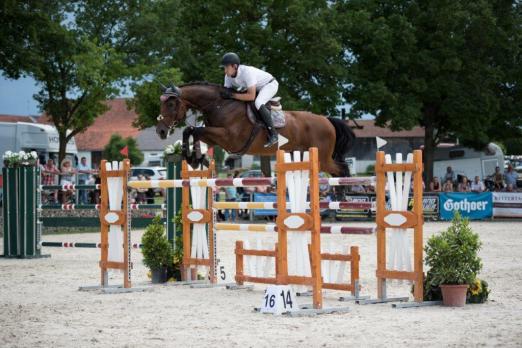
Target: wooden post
[[239, 262], [354, 269], [316, 229], [282, 246], [381, 231], [418, 257]]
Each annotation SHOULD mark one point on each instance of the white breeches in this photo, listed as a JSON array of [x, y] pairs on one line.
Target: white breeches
[[266, 93]]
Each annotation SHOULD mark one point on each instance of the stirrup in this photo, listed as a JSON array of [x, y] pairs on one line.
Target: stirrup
[[272, 140]]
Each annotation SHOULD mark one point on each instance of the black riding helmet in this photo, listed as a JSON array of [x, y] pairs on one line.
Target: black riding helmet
[[230, 58]]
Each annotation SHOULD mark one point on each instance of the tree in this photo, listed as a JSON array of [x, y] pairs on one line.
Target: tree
[[111, 152], [452, 67], [293, 40], [80, 52], [146, 100]]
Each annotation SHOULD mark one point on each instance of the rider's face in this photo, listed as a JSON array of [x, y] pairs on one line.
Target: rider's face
[[230, 70]]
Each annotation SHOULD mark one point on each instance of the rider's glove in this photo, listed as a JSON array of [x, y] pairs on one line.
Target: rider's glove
[[226, 94]]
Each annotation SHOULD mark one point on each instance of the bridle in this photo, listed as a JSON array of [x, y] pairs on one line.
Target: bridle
[[174, 92], [171, 92]]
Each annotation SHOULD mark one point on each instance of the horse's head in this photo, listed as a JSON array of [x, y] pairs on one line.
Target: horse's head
[[173, 110]]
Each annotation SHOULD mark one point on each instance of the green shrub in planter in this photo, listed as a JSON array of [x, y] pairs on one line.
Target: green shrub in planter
[[452, 255], [453, 261], [156, 249]]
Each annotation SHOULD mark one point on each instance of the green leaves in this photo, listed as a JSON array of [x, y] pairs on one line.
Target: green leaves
[[146, 100], [111, 152], [157, 251], [452, 255]]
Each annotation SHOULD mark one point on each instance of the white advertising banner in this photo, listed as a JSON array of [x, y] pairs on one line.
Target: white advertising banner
[[507, 204]]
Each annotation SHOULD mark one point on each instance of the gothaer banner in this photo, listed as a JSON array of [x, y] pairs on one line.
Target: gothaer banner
[[474, 206]]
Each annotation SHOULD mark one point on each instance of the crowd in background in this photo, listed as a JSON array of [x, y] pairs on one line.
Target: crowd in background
[[497, 182], [66, 175]]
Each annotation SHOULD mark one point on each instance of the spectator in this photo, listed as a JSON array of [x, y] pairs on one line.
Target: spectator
[[450, 175], [83, 177], [150, 194], [448, 186], [435, 185], [231, 196], [498, 179], [141, 195], [49, 173], [67, 172], [464, 185], [477, 185], [510, 177]]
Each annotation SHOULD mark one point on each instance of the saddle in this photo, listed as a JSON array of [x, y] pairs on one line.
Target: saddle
[[276, 110]]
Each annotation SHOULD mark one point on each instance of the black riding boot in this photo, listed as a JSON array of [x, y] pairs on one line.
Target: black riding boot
[[267, 119]]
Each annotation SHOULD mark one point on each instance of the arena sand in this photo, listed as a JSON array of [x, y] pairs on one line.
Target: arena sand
[[40, 305]]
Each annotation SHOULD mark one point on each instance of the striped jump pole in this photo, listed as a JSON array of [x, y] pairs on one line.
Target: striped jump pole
[[273, 205], [273, 228], [81, 245], [70, 187], [97, 206], [242, 182]]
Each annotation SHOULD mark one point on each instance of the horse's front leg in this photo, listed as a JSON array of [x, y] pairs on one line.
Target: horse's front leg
[[214, 136], [185, 146]]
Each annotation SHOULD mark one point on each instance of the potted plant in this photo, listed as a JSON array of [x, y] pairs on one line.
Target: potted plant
[[157, 251], [172, 152], [453, 261]]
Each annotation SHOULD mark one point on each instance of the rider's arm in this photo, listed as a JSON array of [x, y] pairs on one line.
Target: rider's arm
[[248, 96]]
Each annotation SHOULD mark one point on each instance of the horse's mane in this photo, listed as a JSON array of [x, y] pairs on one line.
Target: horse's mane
[[201, 83]]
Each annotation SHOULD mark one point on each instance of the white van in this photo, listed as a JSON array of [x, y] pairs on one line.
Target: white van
[[468, 162], [42, 138]]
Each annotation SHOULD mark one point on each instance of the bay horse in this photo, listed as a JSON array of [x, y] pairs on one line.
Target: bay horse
[[227, 125]]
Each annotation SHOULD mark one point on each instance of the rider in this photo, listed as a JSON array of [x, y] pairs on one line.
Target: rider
[[241, 77]]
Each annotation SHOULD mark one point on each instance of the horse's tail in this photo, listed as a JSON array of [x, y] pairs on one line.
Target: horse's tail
[[344, 140]]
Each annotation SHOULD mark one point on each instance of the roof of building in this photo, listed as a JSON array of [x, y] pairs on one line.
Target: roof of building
[[148, 140], [16, 118], [370, 130], [117, 120]]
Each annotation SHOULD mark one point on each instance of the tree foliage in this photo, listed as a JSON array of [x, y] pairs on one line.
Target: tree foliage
[[290, 39], [81, 53], [111, 152], [452, 67]]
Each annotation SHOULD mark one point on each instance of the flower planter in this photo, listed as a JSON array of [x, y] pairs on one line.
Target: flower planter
[[159, 275], [454, 295], [176, 158]]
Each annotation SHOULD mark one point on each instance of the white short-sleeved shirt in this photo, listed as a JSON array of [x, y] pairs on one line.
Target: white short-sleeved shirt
[[248, 76]]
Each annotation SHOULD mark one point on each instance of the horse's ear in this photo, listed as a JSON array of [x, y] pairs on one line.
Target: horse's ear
[[163, 87], [175, 89]]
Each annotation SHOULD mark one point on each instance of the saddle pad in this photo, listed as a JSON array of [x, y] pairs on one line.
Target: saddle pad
[[278, 117]]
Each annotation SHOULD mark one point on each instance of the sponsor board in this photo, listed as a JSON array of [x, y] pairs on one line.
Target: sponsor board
[[507, 204], [470, 205]]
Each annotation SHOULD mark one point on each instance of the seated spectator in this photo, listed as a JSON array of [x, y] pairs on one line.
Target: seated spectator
[[448, 186], [435, 185], [510, 177], [463, 186], [49, 173], [477, 185], [450, 175], [498, 179]]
